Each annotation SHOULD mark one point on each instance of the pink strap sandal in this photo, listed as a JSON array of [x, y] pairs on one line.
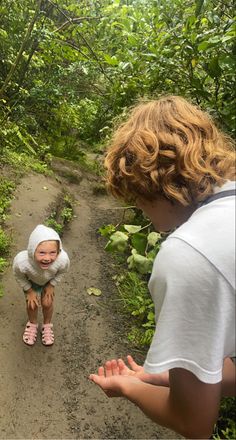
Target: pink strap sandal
[[47, 334], [30, 333]]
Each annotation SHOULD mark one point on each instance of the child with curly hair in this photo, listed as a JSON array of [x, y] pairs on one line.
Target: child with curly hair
[[38, 270], [171, 160]]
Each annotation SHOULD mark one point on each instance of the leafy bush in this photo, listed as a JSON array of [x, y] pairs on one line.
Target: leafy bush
[[3, 265], [138, 245], [52, 223], [137, 301], [62, 214], [22, 162], [66, 215], [5, 242], [226, 425], [6, 190], [138, 242]]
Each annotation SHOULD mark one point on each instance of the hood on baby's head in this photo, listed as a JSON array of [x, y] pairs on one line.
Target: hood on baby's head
[[39, 234]]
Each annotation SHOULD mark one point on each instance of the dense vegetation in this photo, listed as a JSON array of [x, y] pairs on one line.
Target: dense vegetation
[[70, 70]]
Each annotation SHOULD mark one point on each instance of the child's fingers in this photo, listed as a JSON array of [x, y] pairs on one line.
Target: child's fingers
[[35, 303], [132, 363], [51, 296], [31, 304], [108, 370], [123, 369], [101, 371], [114, 367]]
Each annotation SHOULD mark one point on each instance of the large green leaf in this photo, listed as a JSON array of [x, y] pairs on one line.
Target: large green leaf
[[153, 238], [142, 264], [132, 229], [117, 242], [139, 242], [113, 61]]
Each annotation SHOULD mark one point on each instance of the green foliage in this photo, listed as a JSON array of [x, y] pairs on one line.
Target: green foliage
[[12, 136], [106, 230], [117, 242], [52, 223], [6, 190], [62, 214], [84, 63], [5, 242], [66, 215], [22, 162], [137, 301], [3, 265], [138, 245], [226, 425]]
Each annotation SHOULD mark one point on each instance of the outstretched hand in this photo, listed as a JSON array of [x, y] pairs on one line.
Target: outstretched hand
[[134, 370], [115, 374], [114, 377]]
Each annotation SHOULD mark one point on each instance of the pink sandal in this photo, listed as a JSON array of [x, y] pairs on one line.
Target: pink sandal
[[47, 334], [30, 333]]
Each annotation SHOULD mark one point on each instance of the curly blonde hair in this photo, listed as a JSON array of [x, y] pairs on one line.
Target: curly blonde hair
[[168, 147]]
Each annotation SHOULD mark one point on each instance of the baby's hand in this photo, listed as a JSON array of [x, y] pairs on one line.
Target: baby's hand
[[31, 299]]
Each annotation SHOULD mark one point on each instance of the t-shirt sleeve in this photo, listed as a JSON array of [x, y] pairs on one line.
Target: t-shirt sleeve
[[194, 308]]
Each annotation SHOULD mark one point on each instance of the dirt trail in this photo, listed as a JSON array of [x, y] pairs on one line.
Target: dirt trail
[[45, 393]]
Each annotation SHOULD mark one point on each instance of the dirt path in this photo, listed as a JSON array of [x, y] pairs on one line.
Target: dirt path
[[45, 393]]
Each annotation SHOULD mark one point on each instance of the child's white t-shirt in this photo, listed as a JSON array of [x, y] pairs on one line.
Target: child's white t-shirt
[[193, 289]]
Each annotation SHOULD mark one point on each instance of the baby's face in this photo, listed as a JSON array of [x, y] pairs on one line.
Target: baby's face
[[46, 253]]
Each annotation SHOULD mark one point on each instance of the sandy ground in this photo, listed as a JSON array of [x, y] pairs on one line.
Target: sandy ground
[[44, 391]]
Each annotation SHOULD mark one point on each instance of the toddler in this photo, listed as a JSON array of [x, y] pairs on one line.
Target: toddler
[[37, 270]]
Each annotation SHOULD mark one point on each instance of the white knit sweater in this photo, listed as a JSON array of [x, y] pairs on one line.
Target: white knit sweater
[[26, 269]]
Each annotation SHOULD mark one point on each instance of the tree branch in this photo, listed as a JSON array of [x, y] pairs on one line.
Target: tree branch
[[74, 20]]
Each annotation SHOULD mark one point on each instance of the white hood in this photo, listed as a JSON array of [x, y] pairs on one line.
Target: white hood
[[39, 234]]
